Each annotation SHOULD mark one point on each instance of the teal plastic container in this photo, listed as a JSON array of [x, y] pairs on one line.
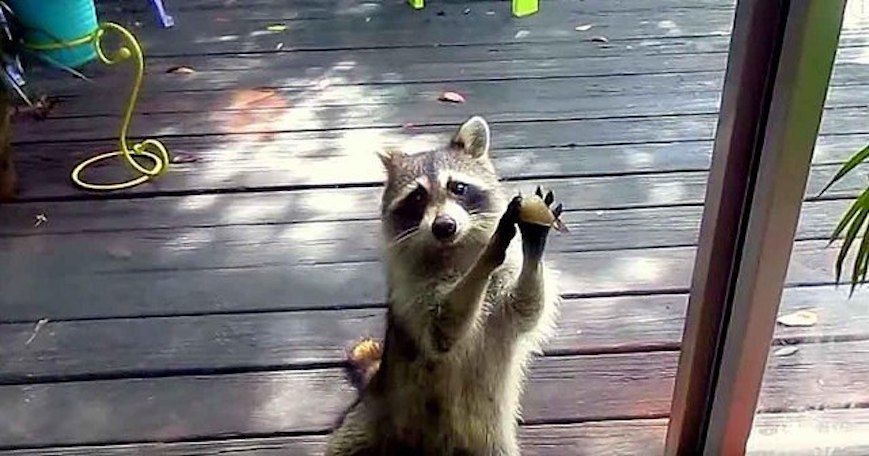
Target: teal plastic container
[[53, 21]]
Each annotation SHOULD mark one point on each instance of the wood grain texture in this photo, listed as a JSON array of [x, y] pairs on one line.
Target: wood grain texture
[[792, 434], [621, 385], [224, 343], [214, 282]]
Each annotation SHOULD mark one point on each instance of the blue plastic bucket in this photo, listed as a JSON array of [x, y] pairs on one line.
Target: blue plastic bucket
[[49, 22]]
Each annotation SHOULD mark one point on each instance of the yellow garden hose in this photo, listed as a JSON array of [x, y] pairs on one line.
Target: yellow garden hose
[[149, 148]]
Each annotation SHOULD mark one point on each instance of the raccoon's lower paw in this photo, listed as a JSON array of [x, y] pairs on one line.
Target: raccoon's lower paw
[[364, 359], [534, 232]]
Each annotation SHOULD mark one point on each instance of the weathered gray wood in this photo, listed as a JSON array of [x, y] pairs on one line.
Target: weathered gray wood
[[345, 157], [226, 284], [290, 401], [507, 101], [593, 438], [47, 177], [394, 24], [637, 385], [795, 433], [309, 71], [76, 349], [349, 241], [844, 432]]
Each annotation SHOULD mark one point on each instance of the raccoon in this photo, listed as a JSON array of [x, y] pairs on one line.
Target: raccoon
[[468, 303]]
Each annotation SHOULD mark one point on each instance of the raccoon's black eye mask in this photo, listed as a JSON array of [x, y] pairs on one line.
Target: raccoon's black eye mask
[[410, 210], [471, 197]]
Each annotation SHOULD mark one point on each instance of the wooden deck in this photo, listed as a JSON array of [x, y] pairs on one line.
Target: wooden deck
[[208, 312]]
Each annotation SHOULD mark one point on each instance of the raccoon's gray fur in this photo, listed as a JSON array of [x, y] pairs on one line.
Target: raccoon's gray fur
[[469, 301]]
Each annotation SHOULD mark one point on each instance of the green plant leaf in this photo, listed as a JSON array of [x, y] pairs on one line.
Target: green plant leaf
[[846, 219], [861, 263], [850, 236], [852, 163]]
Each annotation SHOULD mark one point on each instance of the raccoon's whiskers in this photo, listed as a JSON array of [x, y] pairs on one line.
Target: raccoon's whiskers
[[403, 236]]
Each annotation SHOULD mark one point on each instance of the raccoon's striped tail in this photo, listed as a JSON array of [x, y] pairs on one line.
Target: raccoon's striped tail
[[364, 360]]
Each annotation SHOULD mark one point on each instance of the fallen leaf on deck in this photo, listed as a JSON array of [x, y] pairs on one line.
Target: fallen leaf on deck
[[40, 219], [277, 28], [787, 350], [181, 70], [183, 158], [279, 46], [120, 252], [583, 28], [466, 11], [36, 329], [452, 97], [600, 39], [521, 34], [799, 318]]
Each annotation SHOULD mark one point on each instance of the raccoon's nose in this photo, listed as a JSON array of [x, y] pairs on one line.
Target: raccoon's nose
[[443, 227]]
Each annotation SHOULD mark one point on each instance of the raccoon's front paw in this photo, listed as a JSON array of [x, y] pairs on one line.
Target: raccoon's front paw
[[505, 232], [537, 217]]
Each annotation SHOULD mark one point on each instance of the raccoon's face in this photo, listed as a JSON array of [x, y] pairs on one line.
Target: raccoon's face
[[442, 199]]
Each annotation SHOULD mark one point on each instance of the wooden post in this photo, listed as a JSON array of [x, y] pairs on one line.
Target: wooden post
[[8, 178]]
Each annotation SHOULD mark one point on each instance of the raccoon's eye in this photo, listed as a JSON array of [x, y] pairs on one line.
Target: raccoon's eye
[[417, 195], [459, 188]]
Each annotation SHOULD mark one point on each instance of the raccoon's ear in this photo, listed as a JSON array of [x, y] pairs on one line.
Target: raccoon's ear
[[473, 137], [390, 156]]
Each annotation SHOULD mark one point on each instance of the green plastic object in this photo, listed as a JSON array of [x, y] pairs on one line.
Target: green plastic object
[[64, 24], [416, 4], [522, 8]]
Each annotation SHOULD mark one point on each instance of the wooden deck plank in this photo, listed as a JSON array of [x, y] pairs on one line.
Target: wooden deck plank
[[403, 96], [170, 408], [230, 285], [844, 432], [309, 71], [349, 241], [260, 111], [268, 402], [225, 343], [593, 438], [394, 24], [282, 160], [793, 434]]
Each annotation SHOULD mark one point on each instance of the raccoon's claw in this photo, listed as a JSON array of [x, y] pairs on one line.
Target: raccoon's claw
[[534, 235]]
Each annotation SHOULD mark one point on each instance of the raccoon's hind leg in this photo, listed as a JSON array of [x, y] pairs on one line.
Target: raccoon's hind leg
[[364, 359], [528, 296], [461, 305], [354, 436]]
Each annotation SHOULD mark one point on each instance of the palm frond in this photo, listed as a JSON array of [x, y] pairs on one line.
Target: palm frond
[[857, 224], [852, 163]]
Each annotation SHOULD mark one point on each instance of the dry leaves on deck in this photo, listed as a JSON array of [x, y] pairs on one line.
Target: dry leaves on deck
[[181, 70], [452, 97], [800, 318], [787, 350]]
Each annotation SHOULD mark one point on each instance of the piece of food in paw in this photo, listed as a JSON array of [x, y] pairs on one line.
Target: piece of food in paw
[[534, 209]]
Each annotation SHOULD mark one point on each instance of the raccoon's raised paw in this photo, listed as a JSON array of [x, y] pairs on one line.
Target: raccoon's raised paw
[[536, 217], [364, 359], [506, 230]]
